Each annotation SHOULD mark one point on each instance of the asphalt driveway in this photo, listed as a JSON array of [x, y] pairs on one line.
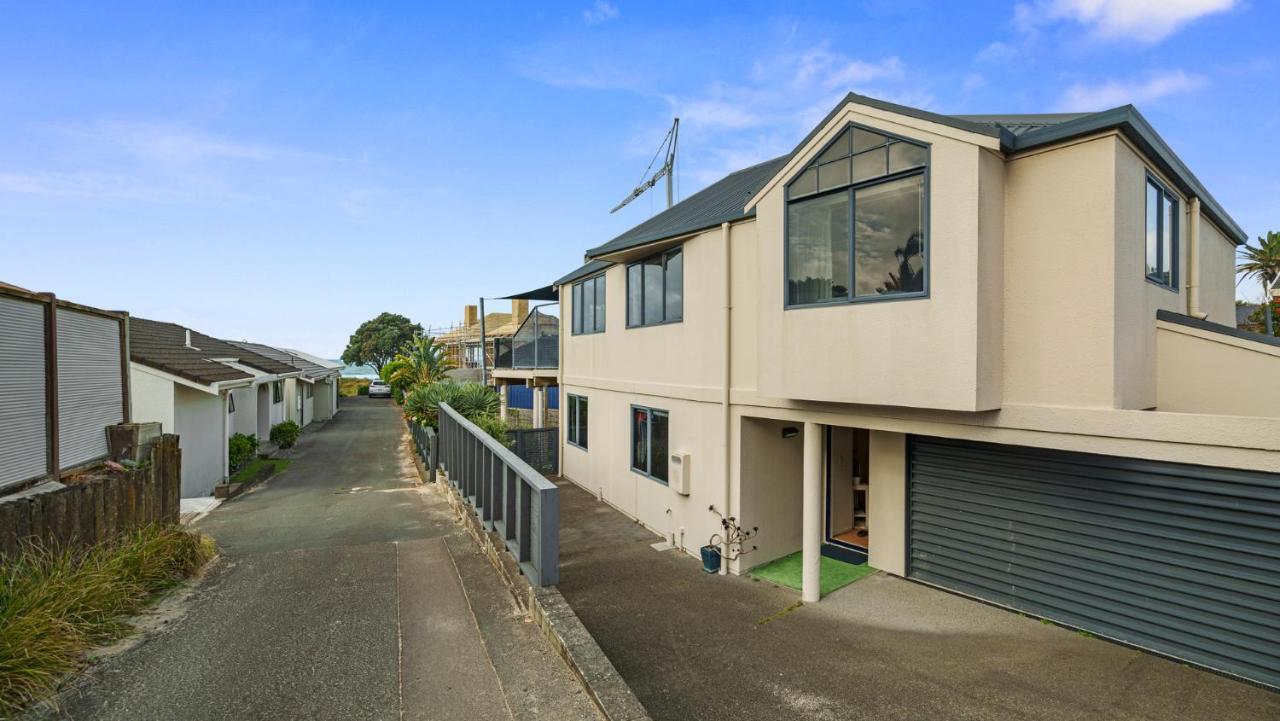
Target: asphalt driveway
[[695, 647], [345, 591]]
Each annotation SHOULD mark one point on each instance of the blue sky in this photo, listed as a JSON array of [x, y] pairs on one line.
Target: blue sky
[[283, 175]]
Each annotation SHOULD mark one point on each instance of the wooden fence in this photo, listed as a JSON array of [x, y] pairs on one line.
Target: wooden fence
[[98, 509]]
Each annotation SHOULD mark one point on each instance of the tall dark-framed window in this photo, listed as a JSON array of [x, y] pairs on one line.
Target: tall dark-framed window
[[1162, 235], [277, 391], [655, 289], [588, 305], [578, 418], [649, 442], [857, 221]]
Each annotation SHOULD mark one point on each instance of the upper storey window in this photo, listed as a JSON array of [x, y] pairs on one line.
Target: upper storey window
[[588, 305], [856, 225], [655, 289], [1162, 235]]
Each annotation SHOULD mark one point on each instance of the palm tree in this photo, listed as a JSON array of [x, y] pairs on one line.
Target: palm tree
[[420, 362], [1262, 263]]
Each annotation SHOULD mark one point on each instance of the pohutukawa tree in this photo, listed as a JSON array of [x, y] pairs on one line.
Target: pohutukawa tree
[[378, 340]]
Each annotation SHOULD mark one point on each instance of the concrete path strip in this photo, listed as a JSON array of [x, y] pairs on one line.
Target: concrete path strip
[[445, 671]]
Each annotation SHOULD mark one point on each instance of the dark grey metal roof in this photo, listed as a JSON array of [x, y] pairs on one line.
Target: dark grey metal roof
[[724, 200], [720, 202], [1207, 325], [1130, 122], [1024, 123], [591, 267]]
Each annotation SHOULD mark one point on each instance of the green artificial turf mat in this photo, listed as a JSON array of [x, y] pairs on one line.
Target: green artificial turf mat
[[786, 571]]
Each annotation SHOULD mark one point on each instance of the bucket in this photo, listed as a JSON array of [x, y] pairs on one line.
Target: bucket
[[711, 559]]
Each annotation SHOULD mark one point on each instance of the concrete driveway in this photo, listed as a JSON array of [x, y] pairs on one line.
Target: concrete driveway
[[695, 647], [345, 592]]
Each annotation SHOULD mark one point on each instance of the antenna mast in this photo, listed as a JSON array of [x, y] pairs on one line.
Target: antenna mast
[[667, 170]]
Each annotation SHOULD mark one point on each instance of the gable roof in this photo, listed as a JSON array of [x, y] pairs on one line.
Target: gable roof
[[1019, 132], [163, 346], [726, 199], [293, 361], [723, 201]]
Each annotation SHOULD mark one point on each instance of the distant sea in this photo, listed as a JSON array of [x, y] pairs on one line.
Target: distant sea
[[351, 371]]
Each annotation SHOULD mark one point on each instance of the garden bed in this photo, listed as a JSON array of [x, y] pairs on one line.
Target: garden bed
[[258, 470]]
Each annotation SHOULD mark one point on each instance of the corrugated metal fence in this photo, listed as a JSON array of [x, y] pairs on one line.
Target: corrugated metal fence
[[522, 397], [64, 377]]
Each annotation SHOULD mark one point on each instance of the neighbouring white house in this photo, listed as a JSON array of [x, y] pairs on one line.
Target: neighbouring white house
[[313, 395], [204, 390], [331, 403]]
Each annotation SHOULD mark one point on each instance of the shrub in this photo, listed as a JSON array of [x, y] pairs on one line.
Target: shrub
[[494, 426], [284, 435], [477, 403], [240, 450], [56, 605]]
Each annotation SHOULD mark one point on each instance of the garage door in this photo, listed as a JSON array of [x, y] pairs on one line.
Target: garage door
[[1180, 559]]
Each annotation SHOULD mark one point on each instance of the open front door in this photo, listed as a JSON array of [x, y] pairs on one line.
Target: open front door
[[848, 482]]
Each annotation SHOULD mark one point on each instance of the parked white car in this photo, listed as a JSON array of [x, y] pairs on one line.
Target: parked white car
[[379, 389]]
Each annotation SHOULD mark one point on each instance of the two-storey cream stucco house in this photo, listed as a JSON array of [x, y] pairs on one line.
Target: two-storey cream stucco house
[[994, 354]]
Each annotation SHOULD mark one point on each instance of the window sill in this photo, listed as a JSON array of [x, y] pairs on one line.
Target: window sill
[[655, 479], [656, 325], [1171, 288], [835, 303], [575, 445]]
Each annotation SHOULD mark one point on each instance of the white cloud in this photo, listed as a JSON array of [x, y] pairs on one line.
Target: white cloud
[[600, 12], [996, 52], [1147, 21], [972, 82], [1080, 97]]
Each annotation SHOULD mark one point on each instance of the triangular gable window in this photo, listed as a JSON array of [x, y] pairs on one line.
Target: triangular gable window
[[857, 220]]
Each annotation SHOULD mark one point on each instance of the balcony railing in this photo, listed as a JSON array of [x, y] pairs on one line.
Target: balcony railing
[[535, 345], [509, 497]]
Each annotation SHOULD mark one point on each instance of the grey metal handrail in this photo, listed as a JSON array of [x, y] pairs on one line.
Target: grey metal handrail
[[508, 495]]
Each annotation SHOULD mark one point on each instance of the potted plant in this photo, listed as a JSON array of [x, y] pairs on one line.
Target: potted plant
[[732, 537]]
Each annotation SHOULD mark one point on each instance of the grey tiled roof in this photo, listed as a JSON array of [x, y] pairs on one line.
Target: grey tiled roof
[[294, 362], [720, 202], [163, 346]]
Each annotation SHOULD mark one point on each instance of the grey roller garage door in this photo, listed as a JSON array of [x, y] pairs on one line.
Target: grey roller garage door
[[1180, 559]]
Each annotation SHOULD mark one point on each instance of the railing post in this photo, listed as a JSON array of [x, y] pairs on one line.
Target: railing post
[[545, 536]]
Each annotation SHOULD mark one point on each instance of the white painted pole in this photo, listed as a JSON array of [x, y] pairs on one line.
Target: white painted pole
[[811, 548]]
